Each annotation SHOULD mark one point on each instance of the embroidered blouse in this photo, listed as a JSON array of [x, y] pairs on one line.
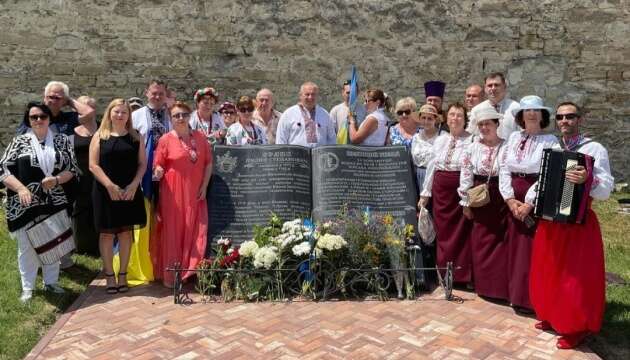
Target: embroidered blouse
[[446, 155], [209, 130], [422, 148], [523, 153], [397, 138], [237, 135], [478, 159], [20, 160]]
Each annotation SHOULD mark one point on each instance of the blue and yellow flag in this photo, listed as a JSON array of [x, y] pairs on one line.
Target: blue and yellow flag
[[343, 136]]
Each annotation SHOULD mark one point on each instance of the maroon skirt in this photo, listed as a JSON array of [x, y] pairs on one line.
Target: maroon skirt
[[519, 241], [568, 284], [488, 244], [451, 226]]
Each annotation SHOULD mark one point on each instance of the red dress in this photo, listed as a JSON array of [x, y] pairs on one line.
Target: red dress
[[567, 282], [182, 218]]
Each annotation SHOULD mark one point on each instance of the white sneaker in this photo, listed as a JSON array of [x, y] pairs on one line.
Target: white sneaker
[[26, 295], [54, 288]]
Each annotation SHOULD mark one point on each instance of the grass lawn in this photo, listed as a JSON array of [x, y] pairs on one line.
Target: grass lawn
[[21, 326]]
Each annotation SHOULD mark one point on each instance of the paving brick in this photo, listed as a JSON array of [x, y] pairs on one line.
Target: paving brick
[[145, 324]]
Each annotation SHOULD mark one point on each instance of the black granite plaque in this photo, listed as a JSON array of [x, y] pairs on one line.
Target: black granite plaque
[[378, 177], [251, 182]]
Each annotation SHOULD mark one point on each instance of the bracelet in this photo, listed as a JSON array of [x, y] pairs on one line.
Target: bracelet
[[56, 180]]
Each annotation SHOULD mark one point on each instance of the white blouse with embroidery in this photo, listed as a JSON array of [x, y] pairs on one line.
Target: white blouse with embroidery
[[446, 155], [421, 148], [478, 159], [523, 154]]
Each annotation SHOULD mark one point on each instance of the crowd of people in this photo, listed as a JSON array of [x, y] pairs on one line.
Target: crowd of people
[[139, 179]]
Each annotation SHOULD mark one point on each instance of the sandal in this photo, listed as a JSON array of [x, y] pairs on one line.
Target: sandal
[[111, 289], [123, 288]]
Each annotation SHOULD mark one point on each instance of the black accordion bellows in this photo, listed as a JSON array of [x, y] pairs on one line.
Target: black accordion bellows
[[556, 198]]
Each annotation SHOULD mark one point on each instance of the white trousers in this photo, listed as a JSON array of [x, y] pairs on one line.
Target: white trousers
[[28, 263]]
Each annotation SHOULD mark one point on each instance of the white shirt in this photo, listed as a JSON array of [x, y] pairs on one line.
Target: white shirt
[[447, 152], [237, 135], [270, 130], [603, 181], [292, 130], [507, 125], [197, 124], [339, 115], [421, 148], [478, 159], [523, 154], [378, 136], [141, 121]]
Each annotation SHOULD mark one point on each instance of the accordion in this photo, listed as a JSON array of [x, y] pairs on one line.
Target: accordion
[[52, 237], [558, 199]]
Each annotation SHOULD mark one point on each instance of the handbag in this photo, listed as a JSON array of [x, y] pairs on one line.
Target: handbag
[[479, 195], [426, 230], [51, 237]]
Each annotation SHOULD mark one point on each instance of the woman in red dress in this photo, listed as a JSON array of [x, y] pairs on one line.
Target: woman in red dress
[[183, 165]]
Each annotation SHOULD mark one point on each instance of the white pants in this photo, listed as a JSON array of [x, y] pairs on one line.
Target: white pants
[[29, 263]]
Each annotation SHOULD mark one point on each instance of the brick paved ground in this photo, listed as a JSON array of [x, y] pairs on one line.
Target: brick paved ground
[[145, 324]]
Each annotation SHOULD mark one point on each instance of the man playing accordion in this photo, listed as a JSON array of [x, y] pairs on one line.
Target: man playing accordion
[[567, 278]]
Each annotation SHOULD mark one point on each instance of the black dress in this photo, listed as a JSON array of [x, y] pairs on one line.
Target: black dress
[[119, 160], [85, 234]]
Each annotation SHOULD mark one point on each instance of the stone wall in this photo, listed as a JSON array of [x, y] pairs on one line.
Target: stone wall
[[576, 50]]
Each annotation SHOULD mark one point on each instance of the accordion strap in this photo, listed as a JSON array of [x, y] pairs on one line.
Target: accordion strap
[[564, 146], [494, 162]]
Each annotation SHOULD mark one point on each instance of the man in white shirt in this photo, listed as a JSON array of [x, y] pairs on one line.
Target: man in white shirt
[[496, 91], [265, 115], [339, 113], [153, 119], [306, 123]]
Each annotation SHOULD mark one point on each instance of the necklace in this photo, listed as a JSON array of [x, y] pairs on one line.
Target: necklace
[[191, 150]]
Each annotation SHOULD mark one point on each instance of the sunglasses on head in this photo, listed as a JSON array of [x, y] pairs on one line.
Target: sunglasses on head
[[246, 109], [403, 112], [38, 117], [571, 116]]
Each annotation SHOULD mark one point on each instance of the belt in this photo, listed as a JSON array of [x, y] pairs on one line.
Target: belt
[[525, 175], [421, 167]]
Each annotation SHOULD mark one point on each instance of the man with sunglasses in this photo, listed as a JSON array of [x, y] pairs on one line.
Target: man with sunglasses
[[339, 113], [265, 115], [306, 123], [56, 97], [567, 279]]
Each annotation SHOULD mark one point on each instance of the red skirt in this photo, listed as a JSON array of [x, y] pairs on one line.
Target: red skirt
[[488, 245], [519, 242], [567, 282], [451, 226]]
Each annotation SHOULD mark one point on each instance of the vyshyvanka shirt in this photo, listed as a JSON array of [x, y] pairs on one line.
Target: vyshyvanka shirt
[[292, 128], [478, 159], [447, 153]]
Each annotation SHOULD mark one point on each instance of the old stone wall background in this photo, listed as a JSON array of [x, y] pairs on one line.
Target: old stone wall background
[[576, 49]]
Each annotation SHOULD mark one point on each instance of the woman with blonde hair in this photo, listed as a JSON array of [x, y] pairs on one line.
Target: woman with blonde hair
[[118, 161], [403, 132]]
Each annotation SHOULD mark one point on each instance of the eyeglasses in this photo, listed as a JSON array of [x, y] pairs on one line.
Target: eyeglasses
[[38, 117], [228, 112], [245, 109], [181, 115], [54, 97], [571, 116], [403, 112]]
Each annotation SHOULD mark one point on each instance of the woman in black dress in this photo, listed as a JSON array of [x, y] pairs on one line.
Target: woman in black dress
[[118, 162], [85, 234]]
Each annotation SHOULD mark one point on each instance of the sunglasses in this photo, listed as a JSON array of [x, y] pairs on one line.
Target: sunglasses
[[369, 100], [571, 116], [246, 110], [403, 112], [181, 115], [54, 97], [38, 117], [228, 112]]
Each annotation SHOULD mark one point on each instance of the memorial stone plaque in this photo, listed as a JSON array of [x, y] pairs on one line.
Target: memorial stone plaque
[[378, 177], [251, 182]]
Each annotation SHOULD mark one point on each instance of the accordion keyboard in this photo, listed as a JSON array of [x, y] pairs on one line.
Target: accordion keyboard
[[567, 191]]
